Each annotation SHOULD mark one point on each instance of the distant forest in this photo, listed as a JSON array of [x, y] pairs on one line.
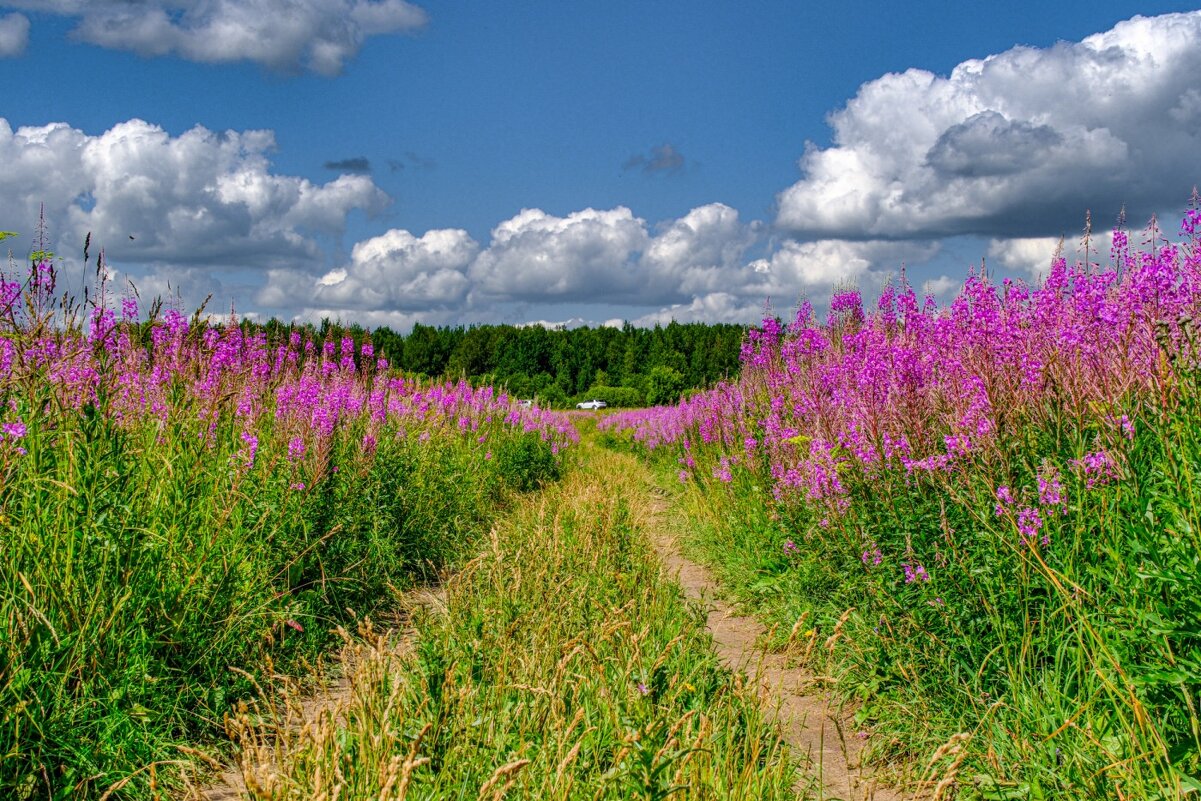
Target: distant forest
[[625, 366]]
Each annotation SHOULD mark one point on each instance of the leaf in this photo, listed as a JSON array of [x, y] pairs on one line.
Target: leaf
[[991, 789]]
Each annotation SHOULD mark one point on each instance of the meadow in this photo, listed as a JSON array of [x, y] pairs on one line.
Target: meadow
[[976, 524], [186, 508], [980, 522]]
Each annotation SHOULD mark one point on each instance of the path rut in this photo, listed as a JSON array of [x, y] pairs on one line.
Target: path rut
[[329, 701], [809, 722]]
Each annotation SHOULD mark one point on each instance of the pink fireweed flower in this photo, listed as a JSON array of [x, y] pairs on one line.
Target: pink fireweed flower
[[1098, 468], [873, 556], [1050, 490], [247, 454], [722, 471], [296, 449], [958, 445], [790, 548], [1005, 498], [12, 431], [1030, 522], [914, 572]]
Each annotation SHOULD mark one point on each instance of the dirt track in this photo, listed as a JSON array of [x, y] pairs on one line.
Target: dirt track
[[808, 722]]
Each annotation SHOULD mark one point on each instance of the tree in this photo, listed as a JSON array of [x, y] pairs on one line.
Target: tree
[[664, 385]]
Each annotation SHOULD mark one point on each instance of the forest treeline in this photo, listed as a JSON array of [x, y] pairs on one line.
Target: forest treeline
[[627, 366]]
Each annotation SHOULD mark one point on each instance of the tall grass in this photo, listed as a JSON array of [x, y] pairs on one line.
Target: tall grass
[[560, 664], [178, 499], [1001, 497]]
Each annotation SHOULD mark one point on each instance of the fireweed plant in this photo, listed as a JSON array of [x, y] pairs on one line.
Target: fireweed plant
[[179, 499], [994, 508]]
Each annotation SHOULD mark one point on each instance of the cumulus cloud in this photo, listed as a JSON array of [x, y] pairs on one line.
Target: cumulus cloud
[[200, 199], [532, 259], [814, 269], [691, 268], [587, 255], [287, 35], [613, 256], [1030, 255], [395, 271], [716, 307], [664, 158], [14, 35], [1016, 144]]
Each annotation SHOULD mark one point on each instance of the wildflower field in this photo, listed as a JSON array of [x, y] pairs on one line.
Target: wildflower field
[[981, 523], [186, 508]]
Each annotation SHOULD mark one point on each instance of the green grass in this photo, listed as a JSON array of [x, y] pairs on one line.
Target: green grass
[[564, 665], [1071, 668], [139, 565]]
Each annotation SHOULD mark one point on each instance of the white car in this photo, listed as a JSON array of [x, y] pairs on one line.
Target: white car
[[591, 404]]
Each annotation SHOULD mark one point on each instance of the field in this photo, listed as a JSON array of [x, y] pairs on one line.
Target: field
[[985, 515], [973, 528], [186, 508]]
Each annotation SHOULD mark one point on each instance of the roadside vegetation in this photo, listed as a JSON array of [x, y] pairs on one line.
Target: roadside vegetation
[[985, 517], [183, 505]]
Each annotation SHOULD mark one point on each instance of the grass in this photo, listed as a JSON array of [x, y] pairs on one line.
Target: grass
[[563, 664], [184, 510], [994, 506]]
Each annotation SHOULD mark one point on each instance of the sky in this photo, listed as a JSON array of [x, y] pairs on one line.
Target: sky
[[387, 162]]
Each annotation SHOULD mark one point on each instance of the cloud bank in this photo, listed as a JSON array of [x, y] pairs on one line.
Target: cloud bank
[[285, 35], [198, 200]]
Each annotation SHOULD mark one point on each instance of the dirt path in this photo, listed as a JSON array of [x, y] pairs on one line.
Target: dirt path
[[809, 723], [328, 704]]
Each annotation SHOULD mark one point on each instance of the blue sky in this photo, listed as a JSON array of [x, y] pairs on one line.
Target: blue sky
[[449, 162]]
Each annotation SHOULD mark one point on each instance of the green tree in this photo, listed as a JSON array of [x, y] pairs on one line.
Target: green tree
[[664, 385]]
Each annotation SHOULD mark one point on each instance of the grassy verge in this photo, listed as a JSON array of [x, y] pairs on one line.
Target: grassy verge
[[563, 666]]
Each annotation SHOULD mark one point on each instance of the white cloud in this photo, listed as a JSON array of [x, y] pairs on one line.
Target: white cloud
[[1029, 255], [14, 35], [1018, 143], [814, 269], [716, 307], [943, 288], [287, 35], [394, 271], [699, 253], [693, 268], [587, 255], [199, 200]]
